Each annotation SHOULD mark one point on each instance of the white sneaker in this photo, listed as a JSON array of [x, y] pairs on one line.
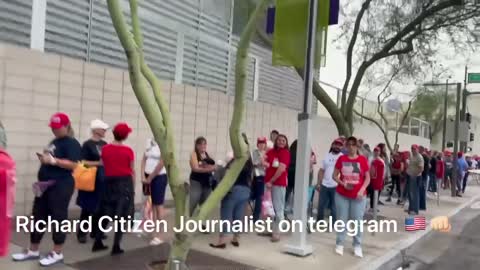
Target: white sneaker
[[357, 251], [339, 250], [26, 255], [51, 259]]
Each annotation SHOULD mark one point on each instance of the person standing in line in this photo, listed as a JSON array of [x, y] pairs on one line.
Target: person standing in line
[[273, 137], [397, 170], [56, 185], [291, 178], [448, 179], [432, 187], [377, 169], [278, 160], [155, 178], [353, 177], [118, 199], [469, 167], [414, 170], [326, 185], [440, 169], [258, 186], [462, 170], [386, 174], [405, 156], [232, 208], [202, 166], [7, 193], [422, 198], [91, 151]]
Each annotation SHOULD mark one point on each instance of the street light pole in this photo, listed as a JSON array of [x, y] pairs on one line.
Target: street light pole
[[298, 243]]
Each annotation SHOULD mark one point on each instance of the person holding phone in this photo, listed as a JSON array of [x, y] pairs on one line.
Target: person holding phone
[[352, 176], [55, 175], [276, 175]]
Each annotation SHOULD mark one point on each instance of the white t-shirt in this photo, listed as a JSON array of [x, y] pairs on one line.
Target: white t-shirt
[[328, 165], [153, 155]]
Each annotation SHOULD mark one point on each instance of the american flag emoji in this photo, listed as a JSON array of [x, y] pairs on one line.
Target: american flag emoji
[[415, 223]]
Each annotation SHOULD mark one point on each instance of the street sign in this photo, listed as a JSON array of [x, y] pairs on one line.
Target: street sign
[[463, 131], [473, 77]]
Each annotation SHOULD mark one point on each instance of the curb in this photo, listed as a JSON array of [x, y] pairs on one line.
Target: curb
[[396, 252]]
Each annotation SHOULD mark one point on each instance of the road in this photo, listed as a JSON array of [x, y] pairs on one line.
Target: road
[[457, 250]]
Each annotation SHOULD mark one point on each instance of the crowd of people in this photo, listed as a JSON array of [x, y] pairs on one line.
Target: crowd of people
[[350, 174]]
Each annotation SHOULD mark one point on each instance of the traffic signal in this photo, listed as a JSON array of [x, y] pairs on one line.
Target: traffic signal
[[468, 118], [472, 137]]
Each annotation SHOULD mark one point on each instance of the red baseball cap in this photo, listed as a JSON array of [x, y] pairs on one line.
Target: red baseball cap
[[460, 154], [376, 149], [122, 129], [415, 146], [338, 141], [59, 120], [261, 140]]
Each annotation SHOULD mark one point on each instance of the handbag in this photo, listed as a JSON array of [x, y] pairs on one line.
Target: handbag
[[267, 205], [85, 177]]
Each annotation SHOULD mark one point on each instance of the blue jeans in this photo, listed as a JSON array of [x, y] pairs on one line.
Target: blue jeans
[[258, 188], [422, 198], [414, 193], [233, 205], [326, 200], [349, 209], [278, 201]]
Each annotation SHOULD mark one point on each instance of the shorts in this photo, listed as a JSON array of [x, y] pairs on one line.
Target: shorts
[[158, 186]]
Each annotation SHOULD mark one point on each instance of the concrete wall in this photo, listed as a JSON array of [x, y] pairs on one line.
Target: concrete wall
[[34, 85]]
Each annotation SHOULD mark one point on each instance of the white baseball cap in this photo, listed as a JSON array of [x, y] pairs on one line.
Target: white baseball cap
[[98, 124]]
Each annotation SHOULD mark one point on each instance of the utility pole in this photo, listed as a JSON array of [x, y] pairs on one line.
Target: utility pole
[[456, 169], [463, 113]]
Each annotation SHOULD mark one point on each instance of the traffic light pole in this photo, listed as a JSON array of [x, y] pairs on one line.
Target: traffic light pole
[[456, 169]]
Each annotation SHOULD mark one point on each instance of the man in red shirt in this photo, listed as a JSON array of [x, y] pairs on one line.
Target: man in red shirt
[[377, 170]]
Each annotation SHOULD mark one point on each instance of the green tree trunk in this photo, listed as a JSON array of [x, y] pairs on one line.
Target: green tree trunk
[[157, 114]]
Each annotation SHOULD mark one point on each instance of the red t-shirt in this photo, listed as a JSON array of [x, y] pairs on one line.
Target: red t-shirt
[[440, 169], [117, 160], [376, 174], [353, 172], [274, 156]]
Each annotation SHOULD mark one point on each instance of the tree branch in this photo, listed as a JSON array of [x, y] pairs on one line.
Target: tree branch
[[413, 26], [384, 132], [402, 122], [351, 46]]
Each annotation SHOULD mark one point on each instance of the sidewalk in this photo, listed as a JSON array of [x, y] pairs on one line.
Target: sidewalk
[[258, 251], [254, 250]]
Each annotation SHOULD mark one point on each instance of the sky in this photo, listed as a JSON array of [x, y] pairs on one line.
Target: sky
[[335, 70]]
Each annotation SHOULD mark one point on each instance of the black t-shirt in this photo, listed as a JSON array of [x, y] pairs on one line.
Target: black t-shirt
[[91, 150], [245, 175], [426, 163], [62, 148], [433, 165]]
